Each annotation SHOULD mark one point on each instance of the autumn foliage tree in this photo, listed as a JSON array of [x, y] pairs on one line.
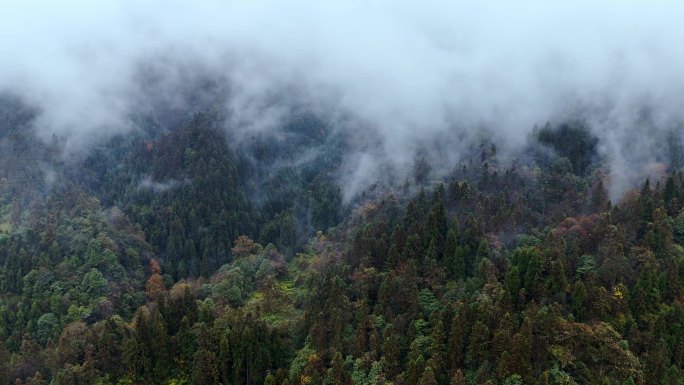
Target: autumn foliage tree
[[155, 284]]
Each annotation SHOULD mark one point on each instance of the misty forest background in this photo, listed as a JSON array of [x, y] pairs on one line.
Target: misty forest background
[[178, 254]]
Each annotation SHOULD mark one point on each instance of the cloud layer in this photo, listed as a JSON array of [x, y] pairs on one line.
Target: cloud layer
[[409, 73]]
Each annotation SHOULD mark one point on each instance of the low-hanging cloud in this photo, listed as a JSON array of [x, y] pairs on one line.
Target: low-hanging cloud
[[409, 73]]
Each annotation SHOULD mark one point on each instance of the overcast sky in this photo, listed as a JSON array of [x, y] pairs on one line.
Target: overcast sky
[[412, 71]]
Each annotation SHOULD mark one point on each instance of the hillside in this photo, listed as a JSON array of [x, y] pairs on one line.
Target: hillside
[[183, 254]]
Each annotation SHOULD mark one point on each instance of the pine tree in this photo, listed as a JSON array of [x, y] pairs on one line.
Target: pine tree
[[428, 377], [458, 378], [337, 375], [478, 345], [205, 368], [454, 256], [415, 370], [270, 379]]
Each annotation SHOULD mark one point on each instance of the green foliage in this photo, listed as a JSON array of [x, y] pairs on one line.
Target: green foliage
[[515, 379], [94, 283], [573, 141], [678, 228], [299, 363], [428, 302], [499, 276], [586, 265], [48, 326]]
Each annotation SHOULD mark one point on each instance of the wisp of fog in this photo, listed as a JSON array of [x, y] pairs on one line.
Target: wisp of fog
[[402, 73]]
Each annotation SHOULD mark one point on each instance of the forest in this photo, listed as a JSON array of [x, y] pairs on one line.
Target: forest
[[172, 255]]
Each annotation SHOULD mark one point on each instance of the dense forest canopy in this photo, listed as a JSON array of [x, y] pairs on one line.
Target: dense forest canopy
[[177, 256], [341, 193]]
